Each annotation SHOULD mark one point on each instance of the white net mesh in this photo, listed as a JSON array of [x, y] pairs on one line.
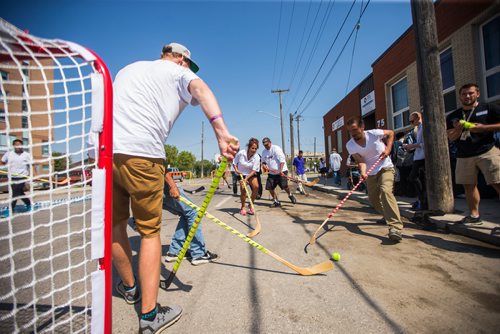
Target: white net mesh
[[45, 240]]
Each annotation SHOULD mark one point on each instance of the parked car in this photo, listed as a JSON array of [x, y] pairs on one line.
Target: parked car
[[176, 174], [37, 185]]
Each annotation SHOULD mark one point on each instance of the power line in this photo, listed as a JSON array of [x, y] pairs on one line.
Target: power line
[[356, 28], [327, 54], [287, 40], [319, 34], [277, 43]]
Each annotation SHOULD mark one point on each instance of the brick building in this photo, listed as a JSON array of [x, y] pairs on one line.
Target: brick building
[[18, 114], [469, 40]]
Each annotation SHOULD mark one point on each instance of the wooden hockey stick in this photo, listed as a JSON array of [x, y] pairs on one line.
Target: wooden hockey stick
[[316, 269], [314, 236], [308, 184], [257, 221], [36, 178], [164, 284]]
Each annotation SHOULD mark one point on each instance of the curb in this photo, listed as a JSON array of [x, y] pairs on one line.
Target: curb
[[488, 232]]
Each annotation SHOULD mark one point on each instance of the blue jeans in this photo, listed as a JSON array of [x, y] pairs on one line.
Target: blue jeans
[[336, 177], [187, 215]]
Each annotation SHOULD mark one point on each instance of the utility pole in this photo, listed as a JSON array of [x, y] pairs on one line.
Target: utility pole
[[314, 156], [279, 91], [202, 148], [438, 172], [291, 143], [298, 130]]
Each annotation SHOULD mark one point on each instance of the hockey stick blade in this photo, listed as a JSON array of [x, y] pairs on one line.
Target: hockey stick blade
[[314, 236], [314, 270], [197, 190], [312, 183]]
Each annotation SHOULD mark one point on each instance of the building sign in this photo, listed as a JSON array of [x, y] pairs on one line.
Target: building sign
[[338, 124], [368, 103]]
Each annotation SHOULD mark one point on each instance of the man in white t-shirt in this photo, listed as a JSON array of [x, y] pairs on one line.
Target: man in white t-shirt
[[275, 161], [18, 163], [367, 147], [335, 161], [148, 98]]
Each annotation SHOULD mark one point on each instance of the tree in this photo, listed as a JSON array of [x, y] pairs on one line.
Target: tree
[[171, 153], [207, 167], [185, 160], [60, 162]]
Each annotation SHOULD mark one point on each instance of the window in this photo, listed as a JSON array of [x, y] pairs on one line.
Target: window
[[490, 41], [5, 141], [5, 75], [24, 122], [45, 148], [339, 141], [448, 80], [26, 70], [400, 107]]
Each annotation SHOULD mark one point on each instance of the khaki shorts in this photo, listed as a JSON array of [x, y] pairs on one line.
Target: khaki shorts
[[489, 164], [138, 182]]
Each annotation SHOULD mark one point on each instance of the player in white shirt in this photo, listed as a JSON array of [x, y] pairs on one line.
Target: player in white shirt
[[367, 147], [148, 98], [247, 163], [275, 161], [18, 163]]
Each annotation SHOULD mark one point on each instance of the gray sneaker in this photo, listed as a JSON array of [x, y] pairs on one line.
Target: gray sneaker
[[395, 235], [207, 258], [130, 296], [165, 317]]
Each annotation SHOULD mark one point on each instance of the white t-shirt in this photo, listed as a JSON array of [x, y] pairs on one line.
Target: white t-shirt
[[273, 158], [148, 98], [245, 166], [18, 163], [335, 160], [371, 151]]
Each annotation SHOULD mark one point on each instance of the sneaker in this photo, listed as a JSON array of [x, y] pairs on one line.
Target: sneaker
[[471, 220], [292, 198], [243, 212], [395, 235], [275, 204], [208, 257], [130, 296], [165, 316], [173, 257]]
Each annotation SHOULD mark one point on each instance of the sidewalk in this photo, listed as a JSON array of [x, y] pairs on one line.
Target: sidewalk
[[488, 232]]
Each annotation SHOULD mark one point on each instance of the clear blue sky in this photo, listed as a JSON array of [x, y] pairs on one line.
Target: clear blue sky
[[242, 49]]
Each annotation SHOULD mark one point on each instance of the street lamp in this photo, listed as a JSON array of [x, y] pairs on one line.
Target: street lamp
[[281, 122]]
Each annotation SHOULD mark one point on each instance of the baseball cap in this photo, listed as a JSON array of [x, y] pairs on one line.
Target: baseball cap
[[181, 49]]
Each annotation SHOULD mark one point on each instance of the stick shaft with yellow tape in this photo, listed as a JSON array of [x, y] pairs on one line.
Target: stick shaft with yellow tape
[[208, 197], [317, 269]]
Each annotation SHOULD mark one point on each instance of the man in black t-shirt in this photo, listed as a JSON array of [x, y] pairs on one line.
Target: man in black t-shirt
[[475, 146]]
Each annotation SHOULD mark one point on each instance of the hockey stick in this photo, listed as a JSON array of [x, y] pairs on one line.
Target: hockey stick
[[316, 269], [308, 184], [164, 284], [313, 238], [197, 190], [35, 178], [257, 221]]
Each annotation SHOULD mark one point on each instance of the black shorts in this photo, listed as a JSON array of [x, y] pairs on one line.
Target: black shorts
[[276, 180]]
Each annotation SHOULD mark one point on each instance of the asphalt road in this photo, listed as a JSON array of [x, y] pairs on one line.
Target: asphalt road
[[430, 282]]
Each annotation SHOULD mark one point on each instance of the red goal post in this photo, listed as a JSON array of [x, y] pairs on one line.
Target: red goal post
[[55, 245]]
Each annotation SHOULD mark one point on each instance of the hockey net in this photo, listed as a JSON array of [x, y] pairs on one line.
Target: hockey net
[[55, 266]]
